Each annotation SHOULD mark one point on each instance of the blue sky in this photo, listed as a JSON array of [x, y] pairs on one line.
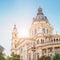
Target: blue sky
[[21, 13]]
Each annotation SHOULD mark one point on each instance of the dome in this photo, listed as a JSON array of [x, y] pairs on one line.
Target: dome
[[40, 15]]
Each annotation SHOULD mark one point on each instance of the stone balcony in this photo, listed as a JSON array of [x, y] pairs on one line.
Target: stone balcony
[[52, 42]]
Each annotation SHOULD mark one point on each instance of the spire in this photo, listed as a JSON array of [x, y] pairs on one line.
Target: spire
[[40, 11], [14, 29]]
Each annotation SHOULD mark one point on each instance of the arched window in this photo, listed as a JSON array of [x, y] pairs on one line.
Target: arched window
[[54, 40], [15, 35], [38, 41], [42, 41], [51, 40], [57, 39], [15, 46]]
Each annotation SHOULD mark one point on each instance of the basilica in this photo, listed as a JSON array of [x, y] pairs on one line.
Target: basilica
[[41, 40]]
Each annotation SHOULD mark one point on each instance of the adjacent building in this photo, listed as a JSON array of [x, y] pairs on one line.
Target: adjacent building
[[41, 41], [1, 49]]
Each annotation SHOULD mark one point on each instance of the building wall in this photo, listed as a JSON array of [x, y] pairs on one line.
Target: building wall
[[41, 40]]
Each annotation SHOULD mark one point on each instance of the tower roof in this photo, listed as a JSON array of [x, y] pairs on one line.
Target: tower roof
[[14, 28], [40, 15], [40, 11]]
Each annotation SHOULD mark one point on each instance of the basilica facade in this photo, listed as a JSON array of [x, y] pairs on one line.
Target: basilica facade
[[41, 40]]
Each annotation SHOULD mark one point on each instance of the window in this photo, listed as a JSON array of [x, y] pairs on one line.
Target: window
[[54, 40], [40, 30], [57, 39], [43, 30], [15, 35], [38, 41], [50, 49], [47, 31], [15, 46], [42, 41]]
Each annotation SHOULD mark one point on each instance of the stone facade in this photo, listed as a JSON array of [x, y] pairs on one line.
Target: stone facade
[[41, 40]]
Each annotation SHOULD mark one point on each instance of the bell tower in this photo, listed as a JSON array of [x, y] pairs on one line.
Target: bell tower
[[14, 33], [14, 39]]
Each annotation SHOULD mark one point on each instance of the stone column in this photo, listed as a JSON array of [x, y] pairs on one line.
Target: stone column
[[40, 53], [47, 53], [53, 51]]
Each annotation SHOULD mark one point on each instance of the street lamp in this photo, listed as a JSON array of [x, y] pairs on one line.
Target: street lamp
[[33, 49]]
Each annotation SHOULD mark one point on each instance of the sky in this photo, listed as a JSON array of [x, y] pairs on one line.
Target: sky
[[21, 13]]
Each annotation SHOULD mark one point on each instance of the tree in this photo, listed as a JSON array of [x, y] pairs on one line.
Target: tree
[[15, 57], [44, 58], [47, 58], [1, 57], [8, 58], [56, 57]]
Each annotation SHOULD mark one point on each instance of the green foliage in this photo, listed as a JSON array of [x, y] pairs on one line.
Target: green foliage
[[56, 57], [47, 58], [44, 58], [8, 58], [15, 57], [1, 57]]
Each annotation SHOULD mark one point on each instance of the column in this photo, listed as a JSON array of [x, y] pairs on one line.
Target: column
[[40, 53], [53, 51], [47, 53]]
